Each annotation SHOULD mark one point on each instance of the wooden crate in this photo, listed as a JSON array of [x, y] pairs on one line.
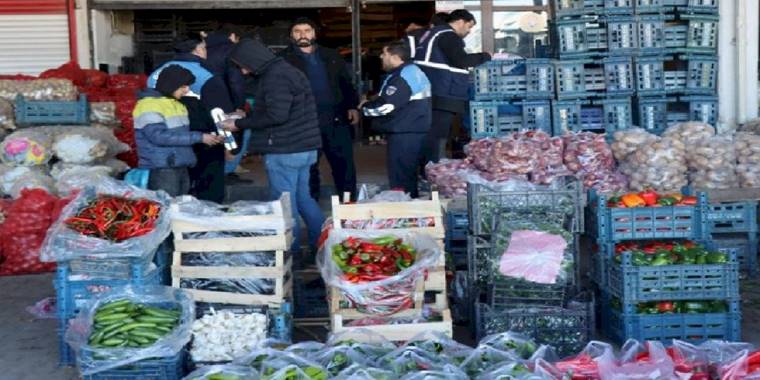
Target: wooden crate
[[281, 219], [436, 278], [394, 333]]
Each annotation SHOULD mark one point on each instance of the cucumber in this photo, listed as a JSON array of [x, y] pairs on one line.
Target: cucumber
[[111, 317], [157, 320], [134, 325], [113, 342], [114, 304], [156, 312]]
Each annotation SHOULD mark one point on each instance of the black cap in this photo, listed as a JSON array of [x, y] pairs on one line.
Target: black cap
[[173, 77], [187, 43]]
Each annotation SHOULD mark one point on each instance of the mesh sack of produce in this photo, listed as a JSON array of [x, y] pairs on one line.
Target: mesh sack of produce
[[712, 163], [103, 113], [223, 372], [33, 180], [748, 155], [689, 132], [130, 324], [477, 152], [512, 154], [26, 221], [70, 71], [449, 176], [589, 157], [275, 364], [65, 241], [550, 163], [7, 115], [28, 147], [377, 271], [38, 89], [84, 145], [658, 164]]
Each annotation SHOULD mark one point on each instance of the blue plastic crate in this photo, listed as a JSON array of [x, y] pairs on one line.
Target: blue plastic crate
[[625, 7], [66, 355], [693, 328], [579, 79], [702, 74], [746, 248], [575, 116], [617, 114], [632, 283], [702, 108], [618, 73], [613, 224], [457, 250], [732, 217], [505, 79], [72, 294], [652, 113], [110, 269], [497, 118], [622, 35], [693, 6], [52, 112], [567, 329], [650, 6], [169, 368], [650, 75], [563, 8], [650, 31], [579, 38], [598, 271], [309, 298], [694, 34], [457, 224]]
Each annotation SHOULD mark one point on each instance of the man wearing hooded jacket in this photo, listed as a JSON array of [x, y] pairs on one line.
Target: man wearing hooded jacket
[[284, 128], [207, 92]]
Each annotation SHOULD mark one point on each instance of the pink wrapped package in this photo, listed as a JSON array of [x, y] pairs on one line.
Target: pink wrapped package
[[534, 256]]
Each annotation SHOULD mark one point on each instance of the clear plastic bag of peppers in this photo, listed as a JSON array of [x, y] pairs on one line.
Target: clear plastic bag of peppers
[[377, 271], [112, 220]]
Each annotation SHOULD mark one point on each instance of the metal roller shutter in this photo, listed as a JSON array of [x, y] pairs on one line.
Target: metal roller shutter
[[34, 35]]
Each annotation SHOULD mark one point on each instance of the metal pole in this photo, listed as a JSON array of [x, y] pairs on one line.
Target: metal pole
[[356, 44]]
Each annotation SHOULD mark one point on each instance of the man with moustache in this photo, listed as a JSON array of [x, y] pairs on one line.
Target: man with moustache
[[336, 100]]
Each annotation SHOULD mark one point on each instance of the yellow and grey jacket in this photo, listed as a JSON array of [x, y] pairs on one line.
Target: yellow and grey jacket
[[162, 132]]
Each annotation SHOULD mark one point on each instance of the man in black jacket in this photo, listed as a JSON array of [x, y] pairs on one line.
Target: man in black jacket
[[403, 109], [207, 92], [442, 57], [284, 129], [336, 103]]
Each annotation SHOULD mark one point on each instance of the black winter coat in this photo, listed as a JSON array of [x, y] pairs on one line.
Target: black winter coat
[[219, 47], [338, 77], [284, 116]]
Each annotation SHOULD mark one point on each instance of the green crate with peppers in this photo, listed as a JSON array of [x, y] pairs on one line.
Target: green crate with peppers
[[678, 270]]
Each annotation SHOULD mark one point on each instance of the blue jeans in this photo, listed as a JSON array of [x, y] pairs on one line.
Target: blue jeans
[[290, 173], [230, 166]]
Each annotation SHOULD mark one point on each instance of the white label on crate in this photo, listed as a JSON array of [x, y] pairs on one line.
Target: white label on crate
[[621, 119], [543, 75], [646, 77], [569, 38], [625, 34], [568, 79], [563, 119], [706, 33], [650, 117], [623, 77], [648, 35], [705, 112], [483, 78]]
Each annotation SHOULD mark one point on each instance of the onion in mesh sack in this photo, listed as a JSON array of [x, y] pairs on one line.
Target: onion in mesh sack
[[748, 154], [689, 132]]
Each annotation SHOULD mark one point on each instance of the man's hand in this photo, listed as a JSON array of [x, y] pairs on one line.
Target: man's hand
[[363, 102], [239, 113], [211, 140], [354, 117], [228, 156], [229, 125]]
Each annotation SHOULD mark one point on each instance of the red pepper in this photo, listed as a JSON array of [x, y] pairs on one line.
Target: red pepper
[[649, 196], [688, 201]]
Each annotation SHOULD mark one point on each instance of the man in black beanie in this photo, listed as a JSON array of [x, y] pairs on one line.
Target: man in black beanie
[[162, 132], [207, 92]]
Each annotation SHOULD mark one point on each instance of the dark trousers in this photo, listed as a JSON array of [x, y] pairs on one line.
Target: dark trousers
[[207, 176], [402, 160], [434, 147], [338, 148], [174, 181]]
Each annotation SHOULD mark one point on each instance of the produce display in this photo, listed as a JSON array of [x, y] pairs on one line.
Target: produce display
[[225, 335], [372, 260], [38, 89], [278, 365], [27, 148], [668, 253], [83, 145], [7, 115], [223, 372], [377, 272], [103, 113], [748, 155], [123, 323], [115, 218], [689, 132], [588, 155], [659, 163], [712, 163], [450, 176], [650, 198], [675, 307]]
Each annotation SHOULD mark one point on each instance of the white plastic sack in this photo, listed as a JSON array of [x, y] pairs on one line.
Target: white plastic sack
[[27, 147], [204, 213], [92, 360], [83, 145]]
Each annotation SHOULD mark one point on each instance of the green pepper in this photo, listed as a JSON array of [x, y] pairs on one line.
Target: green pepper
[[718, 307], [716, 258], [638, 258], [660, 261], [701, 259], [666, 201], [385, 240]]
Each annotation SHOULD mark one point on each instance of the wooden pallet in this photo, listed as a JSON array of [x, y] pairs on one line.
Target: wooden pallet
[[279, 244]]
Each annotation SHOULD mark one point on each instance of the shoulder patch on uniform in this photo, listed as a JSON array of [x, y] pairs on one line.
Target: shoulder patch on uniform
[[390, 90]]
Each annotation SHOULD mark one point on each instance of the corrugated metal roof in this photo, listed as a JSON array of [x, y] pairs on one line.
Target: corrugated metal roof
[[31, 44], [14, 7]]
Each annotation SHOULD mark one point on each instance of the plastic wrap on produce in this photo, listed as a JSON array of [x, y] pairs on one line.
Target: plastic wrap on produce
[[583, 365], [38, 89], [511, 371], [711, 352], [659, 164], [92, 360], [361, 372], [305, 349], [627, 142], [226, 371], [518, 344], [447, 372], [712, 163], [224, 335], [689, 132], [338, 358], [434, 341], [10, 175], [27, 147], [274, 364], [484, 358], [368, 342], [33, 180], [63, 243], [406, 360], [103, 113], [7, 115], [627, 367], [204, 213], [84, 145], [590, 158], [60, 171], [391, 293]]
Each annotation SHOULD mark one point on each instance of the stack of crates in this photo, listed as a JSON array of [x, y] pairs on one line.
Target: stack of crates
[[78, 281], [594, 43], [677, 63], [691, 302], [733, 226], [553, 314], [455, 245], [510, 96]]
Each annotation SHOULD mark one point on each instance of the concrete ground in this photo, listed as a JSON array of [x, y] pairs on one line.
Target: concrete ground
[[31, 345]]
